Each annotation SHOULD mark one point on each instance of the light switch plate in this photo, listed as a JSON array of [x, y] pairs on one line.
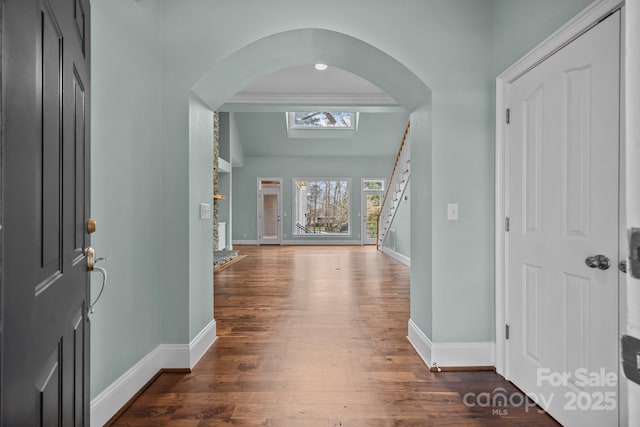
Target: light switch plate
[[452, 211], [205, 211]]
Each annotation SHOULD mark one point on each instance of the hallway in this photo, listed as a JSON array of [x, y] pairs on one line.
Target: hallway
[[316, 336]]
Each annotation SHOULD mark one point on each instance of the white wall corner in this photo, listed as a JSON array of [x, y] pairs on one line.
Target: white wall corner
[[396, 255], [201, 343], [420, 342]]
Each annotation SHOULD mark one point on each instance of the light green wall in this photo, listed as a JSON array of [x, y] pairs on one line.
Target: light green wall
[[519, 25], [402, 225], [265, 134], [200, 281], [148, 55], [245, 188], [446, 44], [223, 135], [237, 151], [126, 186]]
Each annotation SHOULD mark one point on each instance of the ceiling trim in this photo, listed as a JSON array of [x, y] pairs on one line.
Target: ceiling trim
[[311, 99], [241, 107]]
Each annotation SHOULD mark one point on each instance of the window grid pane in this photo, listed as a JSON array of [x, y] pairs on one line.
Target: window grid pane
[[322, 206], [373, 184], [321, 120]]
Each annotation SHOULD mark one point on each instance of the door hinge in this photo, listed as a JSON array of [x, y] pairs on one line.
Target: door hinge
[[508, 115], [507, 224], [506, 331]]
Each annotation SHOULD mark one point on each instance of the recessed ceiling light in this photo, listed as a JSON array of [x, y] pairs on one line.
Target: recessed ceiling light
[[321, 67]]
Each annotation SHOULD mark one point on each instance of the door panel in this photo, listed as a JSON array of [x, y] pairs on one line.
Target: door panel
[[269, 217], [532, 113], [577, 165], [45, 341], [49, 388], [50, 121], [563, 192], [81, 158]]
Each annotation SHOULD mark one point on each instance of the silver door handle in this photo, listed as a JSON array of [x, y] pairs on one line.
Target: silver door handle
[[598, 261]]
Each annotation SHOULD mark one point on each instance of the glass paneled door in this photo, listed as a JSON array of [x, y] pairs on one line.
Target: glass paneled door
[[269, 211], [372, 194]]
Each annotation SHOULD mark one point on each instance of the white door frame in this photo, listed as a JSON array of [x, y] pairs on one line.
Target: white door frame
[[632, 148], [260, 193], [577, 26]]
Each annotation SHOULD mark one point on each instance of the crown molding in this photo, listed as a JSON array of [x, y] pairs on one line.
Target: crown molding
[[312, 99]]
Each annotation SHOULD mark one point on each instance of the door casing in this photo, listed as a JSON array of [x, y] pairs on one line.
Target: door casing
[[580, 24], [363, 211], [261, 193]]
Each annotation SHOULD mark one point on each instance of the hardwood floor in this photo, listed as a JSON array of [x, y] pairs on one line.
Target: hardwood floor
[[316, 336]]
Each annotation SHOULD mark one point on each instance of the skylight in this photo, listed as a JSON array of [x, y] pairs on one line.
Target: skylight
[[321, 120]]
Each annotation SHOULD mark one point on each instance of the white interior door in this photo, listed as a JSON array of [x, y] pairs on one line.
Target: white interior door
[[563, 189], [269, 214]]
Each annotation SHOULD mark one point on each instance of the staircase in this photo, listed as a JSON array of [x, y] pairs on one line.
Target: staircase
[[395, 187]]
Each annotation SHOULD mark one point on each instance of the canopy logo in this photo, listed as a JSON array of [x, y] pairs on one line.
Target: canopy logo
[[584, 391]]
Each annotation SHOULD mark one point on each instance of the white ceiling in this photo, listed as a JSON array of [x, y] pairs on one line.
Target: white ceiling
[[305, 84]]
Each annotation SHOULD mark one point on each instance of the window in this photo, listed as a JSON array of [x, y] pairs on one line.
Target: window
[[269, 184], [373, 184], [322, 125], [321, 206], [321, 120]]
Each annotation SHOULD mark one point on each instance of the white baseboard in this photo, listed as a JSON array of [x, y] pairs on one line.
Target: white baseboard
[[165, 356], [396, 255], [321, 242], [245, 242], [301, 242], [464, 354], [459, 354]]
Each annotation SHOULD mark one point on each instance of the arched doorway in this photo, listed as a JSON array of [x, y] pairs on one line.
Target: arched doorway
[[306, 46]]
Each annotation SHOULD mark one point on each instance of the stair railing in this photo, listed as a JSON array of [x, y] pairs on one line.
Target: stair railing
[[395, 187]]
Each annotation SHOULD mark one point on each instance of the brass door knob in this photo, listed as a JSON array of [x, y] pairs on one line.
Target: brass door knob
[[91, 259], [91, 225]]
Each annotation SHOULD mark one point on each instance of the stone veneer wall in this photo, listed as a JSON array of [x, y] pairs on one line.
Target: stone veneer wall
[[216, 152]]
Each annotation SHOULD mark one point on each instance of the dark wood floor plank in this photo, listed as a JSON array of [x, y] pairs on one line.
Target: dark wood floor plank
[[316, 337]]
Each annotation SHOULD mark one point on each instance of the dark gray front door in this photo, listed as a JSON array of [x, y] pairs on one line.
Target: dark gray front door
[[45, 99]]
